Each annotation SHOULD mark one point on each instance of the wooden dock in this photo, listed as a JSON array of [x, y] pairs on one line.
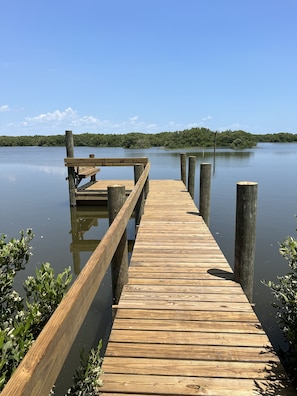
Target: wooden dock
[[183, 326]]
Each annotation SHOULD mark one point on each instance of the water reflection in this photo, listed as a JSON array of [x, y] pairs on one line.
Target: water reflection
[[83, 219]]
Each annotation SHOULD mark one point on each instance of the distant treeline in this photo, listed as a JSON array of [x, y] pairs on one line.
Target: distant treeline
[[195, 137]]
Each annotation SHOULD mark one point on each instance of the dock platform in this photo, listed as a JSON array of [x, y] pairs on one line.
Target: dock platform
[[183, 326]]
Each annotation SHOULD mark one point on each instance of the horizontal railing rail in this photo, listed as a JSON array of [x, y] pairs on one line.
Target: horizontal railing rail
[[41, 366], [125, 161]]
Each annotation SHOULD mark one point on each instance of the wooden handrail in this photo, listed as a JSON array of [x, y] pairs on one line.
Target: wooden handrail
[[125, 161], [41, 366]]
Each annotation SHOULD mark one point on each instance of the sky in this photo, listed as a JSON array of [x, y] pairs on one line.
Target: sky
[[120, 66]]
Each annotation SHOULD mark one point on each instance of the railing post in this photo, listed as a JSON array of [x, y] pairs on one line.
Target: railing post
[[245, 235], [93, 177], [71, 173], [191, 175], [183, 168], [204, 194], [119, 265], [139, 208]]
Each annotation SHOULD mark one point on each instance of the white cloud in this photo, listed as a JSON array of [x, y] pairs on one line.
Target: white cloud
[[4, 108], [207, 118], [58, 121], [55, 116]]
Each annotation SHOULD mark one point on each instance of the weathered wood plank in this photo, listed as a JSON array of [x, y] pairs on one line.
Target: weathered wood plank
[[192, 352], [180, 385], [188, 325], [191, 368], [195, 316]]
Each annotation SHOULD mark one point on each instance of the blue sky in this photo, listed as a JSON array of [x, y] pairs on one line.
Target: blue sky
[[118, 66]]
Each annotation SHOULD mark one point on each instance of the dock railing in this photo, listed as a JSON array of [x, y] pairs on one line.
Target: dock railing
[[41, 366], [90, 164]]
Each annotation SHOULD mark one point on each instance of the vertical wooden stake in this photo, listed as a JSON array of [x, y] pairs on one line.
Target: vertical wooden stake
[[245, 235], [71, 172], [183, 168], [204, 192], [191, 175], [139, 208], [119, 265]]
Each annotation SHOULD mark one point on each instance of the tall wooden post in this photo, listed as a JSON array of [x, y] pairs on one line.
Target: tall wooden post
[[139, 208], [71, 172], [119, 265], [245, 235], [191, 175], [204, 192], [183, 168]]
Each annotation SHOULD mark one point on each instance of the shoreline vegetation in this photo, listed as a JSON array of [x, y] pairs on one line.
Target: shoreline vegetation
[[188, 138]]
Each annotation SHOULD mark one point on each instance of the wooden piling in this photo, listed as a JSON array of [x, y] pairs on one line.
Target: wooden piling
[[71, 172], [204, 192], [119, 265], [183, 168], [139, 208], [245, 235], [191, 175]]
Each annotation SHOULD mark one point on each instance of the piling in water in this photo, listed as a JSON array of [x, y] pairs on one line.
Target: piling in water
[[245, 235]]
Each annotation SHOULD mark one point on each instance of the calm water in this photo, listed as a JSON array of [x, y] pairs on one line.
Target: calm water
[[34, 194]]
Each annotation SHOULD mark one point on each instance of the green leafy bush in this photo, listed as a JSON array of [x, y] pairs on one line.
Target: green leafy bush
[[22, 319], [285, 293], [87, 379]]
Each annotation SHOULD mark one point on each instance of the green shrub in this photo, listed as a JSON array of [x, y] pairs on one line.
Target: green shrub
[[87, 378], [285, 293], [22, 319]]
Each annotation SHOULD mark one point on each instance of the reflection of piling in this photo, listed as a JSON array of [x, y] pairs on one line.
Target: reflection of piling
[[191, 175], [204, 194], [71, 172], [119, 266], [183, 170], [245, 236], [75, 239]]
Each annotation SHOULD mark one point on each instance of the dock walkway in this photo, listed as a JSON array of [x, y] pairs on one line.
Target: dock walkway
[[183, 326]]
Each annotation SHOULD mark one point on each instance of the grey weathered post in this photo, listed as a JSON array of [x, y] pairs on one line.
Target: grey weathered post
[[245, 235], [139, 208], [204, 192], [191, 175], [119, 265], [93, 177], [71, 172], [183, 168]]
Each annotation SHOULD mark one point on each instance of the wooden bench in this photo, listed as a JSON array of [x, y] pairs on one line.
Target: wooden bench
[[81, 172]]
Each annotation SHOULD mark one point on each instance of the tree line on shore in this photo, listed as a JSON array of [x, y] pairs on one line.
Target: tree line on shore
[[195, 137]]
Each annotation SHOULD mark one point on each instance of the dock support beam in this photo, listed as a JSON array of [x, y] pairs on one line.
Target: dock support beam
[[191, 175], [119, 265], [204, 192], [245, 235], [71, 173]]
